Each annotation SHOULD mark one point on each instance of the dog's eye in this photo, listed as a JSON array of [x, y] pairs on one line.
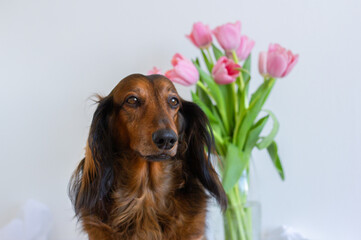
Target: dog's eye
[[132, 100], [174, 102]]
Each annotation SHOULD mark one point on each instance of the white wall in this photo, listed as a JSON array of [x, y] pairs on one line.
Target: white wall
[[55, 54]]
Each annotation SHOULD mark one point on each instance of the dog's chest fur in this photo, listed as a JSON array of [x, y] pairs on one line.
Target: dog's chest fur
[[156, 203]]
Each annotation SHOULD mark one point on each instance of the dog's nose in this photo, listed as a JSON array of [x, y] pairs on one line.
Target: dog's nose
[[164, 138]]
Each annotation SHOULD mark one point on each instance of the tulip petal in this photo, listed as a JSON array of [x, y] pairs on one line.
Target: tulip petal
[[245, 47], [171, 75], [187, 71], [228, 35], [279, 61], [290, 65], [176, 58], [262, 63], [155, 70], [201, 35], [274, 47], [225, 71], [183, 72], [276, 64]]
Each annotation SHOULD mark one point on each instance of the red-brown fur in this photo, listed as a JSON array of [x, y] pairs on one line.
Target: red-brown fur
[[121, 190]]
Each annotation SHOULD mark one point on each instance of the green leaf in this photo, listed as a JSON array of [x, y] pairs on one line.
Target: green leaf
[[215, 93], [273, 152], [261, 89], [203, 96], [235, 163], [213, 87], [217, 53], [197, 61], [205, 109], [257, 101], [229, 98], [246, 80], [221, 142], [208, 63], [247, 66], [245, 71], [266, 141], [254, 133], [217, 114]]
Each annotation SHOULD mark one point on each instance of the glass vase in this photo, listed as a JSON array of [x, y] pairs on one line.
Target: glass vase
[[242, 219]]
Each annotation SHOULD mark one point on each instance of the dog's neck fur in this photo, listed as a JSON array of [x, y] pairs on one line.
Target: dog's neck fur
[[150, 200], [145, 192], [139, 176]]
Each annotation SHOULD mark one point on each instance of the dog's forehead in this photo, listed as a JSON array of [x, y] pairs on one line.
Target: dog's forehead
[[142, 85], [163, 84]]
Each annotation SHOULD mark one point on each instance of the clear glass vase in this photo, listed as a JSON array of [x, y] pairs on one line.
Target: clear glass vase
[[242, 219], [247, 226]]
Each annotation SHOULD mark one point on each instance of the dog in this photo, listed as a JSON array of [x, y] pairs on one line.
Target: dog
[[147, 172]]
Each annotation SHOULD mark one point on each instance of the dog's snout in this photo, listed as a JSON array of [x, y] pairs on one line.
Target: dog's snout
[[164, 138]]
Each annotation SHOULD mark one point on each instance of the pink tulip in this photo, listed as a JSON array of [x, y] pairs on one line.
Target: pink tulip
[[228, 35], [244, 49], [155, 70], [200, 36], [225, 71], [262, 63], [277, 62], [183, 72]]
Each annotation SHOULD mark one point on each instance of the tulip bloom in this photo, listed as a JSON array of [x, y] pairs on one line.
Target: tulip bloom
[[201, 35], [155, 70], [244, 49], [228, 35], [262, 63], [184, 72], [277, 62], [225, 71]]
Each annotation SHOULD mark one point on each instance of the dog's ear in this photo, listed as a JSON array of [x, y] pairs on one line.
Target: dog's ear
[[93, 178], [199, 138]]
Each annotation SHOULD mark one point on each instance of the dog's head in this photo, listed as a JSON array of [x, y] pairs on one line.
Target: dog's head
[[144, 116]]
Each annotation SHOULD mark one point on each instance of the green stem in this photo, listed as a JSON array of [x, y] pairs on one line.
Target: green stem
[[244, 94], [222, 110], [234, 99], [239, 212], [210, 56], [241, 82], [231, 229], [204, 88], [249, 223], [234, 55], [248, 231], [236, 208], [256, 103], [244, 70], [242, 199], [248, 211], [220, 143], [239, 119], [218, 137], [242, 103], [240, 205]]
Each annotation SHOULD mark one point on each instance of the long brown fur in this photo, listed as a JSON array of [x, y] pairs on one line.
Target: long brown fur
[[125, 188]]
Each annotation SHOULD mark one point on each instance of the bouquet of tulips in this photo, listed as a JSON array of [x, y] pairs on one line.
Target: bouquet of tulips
[[236, 117]]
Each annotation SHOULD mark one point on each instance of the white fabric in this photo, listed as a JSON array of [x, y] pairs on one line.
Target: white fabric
[[34, 223], [284, 233]]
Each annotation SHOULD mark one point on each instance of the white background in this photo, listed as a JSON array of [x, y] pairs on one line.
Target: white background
[[54, 55]]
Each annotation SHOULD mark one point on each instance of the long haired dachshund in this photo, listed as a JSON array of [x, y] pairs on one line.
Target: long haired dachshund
[[146, 172]]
